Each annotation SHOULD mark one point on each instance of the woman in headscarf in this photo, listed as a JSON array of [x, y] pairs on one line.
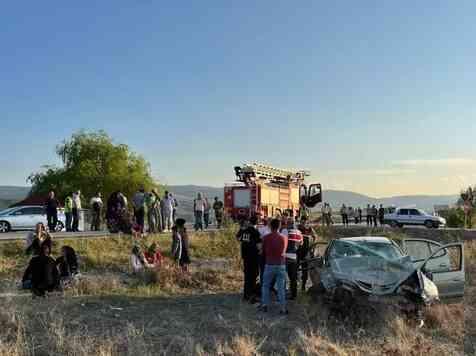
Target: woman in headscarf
[[180, 250], [34, 239], [153, 256], [42, 272]]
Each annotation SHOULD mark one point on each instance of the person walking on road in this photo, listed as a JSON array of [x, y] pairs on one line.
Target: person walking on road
[[250, 240], [51, 206], [96, 206], [218, 209], [76, 210], [199, 209], [274, 249], [138, 202], [68, 212]]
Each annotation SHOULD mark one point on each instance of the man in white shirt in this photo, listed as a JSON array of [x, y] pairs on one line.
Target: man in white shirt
[[76, 210], [199, 209]]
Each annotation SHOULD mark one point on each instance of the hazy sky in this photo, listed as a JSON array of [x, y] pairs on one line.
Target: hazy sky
[[377, 97]]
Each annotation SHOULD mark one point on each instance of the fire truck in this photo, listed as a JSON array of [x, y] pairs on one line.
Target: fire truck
[[268, 191]]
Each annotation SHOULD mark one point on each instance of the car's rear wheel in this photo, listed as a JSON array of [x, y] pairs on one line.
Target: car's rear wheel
[[436, 225], [4, 226], [429, 224]]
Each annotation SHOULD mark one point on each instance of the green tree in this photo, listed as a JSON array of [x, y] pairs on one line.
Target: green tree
[[92, 162], [468, 202]]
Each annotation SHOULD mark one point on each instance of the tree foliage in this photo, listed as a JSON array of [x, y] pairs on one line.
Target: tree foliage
[[92, 162]]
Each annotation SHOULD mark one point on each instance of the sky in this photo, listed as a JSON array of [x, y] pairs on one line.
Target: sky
[[376, 97]]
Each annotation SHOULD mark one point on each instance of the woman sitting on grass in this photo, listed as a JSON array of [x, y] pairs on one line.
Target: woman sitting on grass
[[42, 272], [138, 261], [34, 239], [153, 256], [68, 265], [180, 244]]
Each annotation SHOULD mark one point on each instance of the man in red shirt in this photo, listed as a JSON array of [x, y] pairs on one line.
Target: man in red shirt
[[274, 253]]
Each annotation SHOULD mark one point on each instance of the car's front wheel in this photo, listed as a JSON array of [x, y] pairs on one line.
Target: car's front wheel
[[4, 226], [429, 224], [59, 226]]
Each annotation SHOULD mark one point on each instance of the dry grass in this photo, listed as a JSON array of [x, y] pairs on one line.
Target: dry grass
[[200, 313]]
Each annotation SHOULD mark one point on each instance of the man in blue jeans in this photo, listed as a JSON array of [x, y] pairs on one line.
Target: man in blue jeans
[[274, 252]]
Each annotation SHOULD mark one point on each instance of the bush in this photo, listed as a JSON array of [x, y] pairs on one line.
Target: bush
[[454, 217]]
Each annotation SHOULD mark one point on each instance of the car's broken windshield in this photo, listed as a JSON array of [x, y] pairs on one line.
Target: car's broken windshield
[[365, 248]]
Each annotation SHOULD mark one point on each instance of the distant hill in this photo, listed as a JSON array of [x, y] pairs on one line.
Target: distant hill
[[11, 194]]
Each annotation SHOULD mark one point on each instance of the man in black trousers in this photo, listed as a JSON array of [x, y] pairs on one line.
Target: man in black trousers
[[250, 240], [52, 211]]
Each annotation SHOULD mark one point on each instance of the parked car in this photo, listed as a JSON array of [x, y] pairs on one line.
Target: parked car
[[414, 274], [26, 218], [413, 216]]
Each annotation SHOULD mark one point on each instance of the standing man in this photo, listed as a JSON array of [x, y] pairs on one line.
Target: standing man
[[381, 215], [368, 211], [96, 206], [68, 211], [157, 211], [51, 206], [374, 215], [360, 215], [138, 202], [76, 210], [206, 213], [295, 240], [150, 202], [174, 206], [199, 208], [345, 217], [167, 212], [218, 208], [274, 251], [304, 251], [250, 240]]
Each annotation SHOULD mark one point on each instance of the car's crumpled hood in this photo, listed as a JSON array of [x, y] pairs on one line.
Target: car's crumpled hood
[[371, 274]]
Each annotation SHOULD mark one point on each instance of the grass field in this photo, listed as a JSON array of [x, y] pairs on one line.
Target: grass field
[[111, 313]]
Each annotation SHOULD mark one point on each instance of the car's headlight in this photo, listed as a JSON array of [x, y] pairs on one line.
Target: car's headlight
[[443, 221]]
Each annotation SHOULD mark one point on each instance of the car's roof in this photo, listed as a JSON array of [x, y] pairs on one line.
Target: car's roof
[[378, 239]]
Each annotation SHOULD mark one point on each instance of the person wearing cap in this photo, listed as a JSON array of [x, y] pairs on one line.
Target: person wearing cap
[[295, 240], [250, 240]]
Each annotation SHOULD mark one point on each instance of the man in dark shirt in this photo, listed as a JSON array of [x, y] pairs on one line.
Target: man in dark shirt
[[51, 206], [250, 239], [304, 250], [381, 214], [274, 251]]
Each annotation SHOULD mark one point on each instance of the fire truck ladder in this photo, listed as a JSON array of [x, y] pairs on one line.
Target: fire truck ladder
[[261, 171]]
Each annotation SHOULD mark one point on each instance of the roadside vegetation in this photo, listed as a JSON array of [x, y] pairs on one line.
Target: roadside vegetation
[[201, 313]]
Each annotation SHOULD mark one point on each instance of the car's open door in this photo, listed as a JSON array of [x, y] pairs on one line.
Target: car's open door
[[419, 250], [448, 271]]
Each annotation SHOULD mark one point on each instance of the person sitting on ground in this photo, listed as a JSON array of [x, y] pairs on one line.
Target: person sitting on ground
[[41, 273], [153, 256], [68, 265], [138, 261], [180, 244], [34, 239]]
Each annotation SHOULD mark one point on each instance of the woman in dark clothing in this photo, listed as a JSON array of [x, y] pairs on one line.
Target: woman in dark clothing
[[180, 249], [117, 216], [68, 265], [35, 238], [42, 272]]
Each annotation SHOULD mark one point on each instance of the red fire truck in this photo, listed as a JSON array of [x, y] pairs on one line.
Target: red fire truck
[[268, 191]]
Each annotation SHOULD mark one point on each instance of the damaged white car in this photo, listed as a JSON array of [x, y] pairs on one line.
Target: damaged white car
[[412, 275]]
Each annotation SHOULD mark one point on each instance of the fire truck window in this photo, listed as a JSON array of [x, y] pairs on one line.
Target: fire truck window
[[242, 198]]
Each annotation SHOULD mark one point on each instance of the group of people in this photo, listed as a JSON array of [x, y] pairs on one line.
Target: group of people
[[160, 212], [202, 208], [72, 207], [272, 253], [373, 215], [45, 273]]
